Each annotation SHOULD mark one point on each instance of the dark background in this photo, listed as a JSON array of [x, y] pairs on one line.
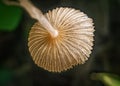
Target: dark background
[[18, 69]]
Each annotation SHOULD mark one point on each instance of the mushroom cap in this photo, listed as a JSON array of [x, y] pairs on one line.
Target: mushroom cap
[[71, 47]]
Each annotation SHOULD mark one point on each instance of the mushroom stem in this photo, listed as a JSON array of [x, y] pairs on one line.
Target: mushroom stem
[[38, 15]]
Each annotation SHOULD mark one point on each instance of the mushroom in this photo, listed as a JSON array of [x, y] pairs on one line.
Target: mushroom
[[61, 38]]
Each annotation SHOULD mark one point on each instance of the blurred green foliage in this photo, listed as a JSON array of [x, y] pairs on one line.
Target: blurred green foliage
[[5, 77], [107, 78], [10, 17]]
